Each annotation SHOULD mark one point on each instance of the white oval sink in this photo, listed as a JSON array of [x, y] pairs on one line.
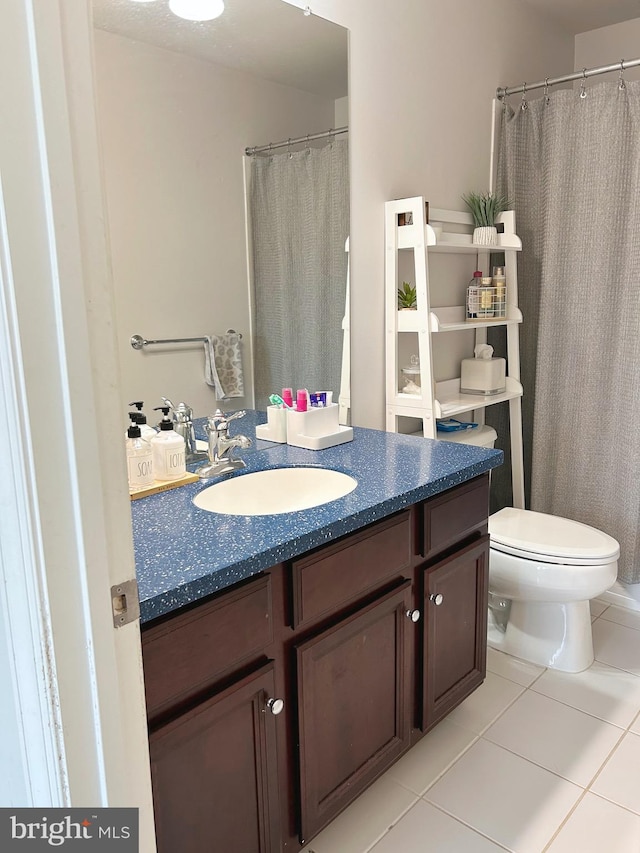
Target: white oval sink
[[275, 491]]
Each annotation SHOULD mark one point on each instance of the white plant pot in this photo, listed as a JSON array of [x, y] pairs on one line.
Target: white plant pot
[[487, 235]]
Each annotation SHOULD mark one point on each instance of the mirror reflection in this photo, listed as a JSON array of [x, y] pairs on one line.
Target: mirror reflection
[[205, 239]]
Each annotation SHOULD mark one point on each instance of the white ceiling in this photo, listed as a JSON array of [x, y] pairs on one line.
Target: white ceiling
[[268, 38], [580, 16], [278, 41]]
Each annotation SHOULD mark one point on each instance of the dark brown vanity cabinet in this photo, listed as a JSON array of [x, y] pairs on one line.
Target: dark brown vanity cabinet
[[455, 630], [275, 703], [354, 705], [215, 776], [214, 703]]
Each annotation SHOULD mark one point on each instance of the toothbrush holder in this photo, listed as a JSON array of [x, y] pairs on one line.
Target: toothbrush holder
[[275, 428]]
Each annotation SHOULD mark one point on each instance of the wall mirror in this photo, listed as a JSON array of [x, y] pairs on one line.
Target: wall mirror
[[178, 102]]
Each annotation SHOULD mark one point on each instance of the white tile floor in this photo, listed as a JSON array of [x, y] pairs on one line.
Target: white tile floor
[[535, 760]]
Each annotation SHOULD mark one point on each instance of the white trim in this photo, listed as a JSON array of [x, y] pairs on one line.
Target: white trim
[[73, 471], [24, 607]]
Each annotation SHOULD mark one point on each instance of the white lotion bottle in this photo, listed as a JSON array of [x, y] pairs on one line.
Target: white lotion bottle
[[168, 450], [139, 459]]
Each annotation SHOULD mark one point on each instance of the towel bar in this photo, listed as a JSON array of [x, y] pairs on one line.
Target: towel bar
[[138, 342]]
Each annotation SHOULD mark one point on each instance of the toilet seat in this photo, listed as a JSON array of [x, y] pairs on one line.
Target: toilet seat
[[550, 539]]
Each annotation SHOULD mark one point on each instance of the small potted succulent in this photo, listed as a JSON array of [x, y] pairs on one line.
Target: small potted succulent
[[485, 209], [407, 297]]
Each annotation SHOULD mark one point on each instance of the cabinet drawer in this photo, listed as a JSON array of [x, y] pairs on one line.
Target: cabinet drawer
[[453, 515], [339, 574], [189, 652]]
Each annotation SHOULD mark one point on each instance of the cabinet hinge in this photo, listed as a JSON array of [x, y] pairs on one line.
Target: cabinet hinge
[[124, 603]]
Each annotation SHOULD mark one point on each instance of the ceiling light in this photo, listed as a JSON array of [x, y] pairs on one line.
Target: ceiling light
[[197, 10]]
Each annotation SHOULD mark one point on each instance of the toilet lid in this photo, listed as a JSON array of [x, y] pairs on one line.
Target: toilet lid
[[550, 538]]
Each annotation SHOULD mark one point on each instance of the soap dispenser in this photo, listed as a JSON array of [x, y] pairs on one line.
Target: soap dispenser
[[146, 432], [168, 449], [139, 459]]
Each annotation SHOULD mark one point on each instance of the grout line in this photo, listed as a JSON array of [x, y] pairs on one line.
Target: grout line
[[535, 763], [394, 823], [614, 803], [565, 820], [588, 713], [446, 769], [469, 826], [621, 624]]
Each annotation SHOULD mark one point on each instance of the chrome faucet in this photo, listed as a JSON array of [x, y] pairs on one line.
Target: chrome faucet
[[183, 425], [221, 445]]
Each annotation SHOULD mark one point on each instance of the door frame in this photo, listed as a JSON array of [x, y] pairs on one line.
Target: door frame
[[76, 693]]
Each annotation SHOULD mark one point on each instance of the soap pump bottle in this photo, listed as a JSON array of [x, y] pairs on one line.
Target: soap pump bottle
[[168, 449], [139, 459], [147, 432]]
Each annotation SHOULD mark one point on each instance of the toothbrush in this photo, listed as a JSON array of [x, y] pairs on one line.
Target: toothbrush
[[276, 400]]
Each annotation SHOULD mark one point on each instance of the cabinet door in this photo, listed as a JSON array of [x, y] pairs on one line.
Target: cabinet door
[[214, 773], [354, 700], [455, 629]]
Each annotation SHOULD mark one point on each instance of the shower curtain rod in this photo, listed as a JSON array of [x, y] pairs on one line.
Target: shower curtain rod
[[578, 75], [308, 138]]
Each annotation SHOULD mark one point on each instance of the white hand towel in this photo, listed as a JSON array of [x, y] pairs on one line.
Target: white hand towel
[[223, 365]]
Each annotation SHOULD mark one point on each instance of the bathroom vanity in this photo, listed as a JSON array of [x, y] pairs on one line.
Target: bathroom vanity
[[279, 687]]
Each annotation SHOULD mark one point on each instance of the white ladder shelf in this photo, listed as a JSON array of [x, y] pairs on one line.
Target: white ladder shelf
[[448, 232]]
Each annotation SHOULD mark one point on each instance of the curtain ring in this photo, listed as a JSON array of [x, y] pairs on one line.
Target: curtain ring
[[332, 136], [547, 99], [583, 87], [621, 84], [289, 148], [523, 103], [307, 11], [308, 146]]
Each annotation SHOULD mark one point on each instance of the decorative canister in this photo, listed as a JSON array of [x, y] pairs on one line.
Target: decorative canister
[[411, 376]]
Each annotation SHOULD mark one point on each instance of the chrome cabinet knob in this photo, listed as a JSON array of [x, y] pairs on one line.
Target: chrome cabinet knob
[[414, 615], [437, 598], [276, 706]]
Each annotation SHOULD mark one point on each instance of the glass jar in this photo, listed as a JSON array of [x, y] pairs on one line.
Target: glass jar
[[473, 296], [500, 285], [486, 295], [411, 377]]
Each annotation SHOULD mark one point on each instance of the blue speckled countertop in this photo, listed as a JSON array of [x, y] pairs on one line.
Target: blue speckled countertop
[[183, 553]]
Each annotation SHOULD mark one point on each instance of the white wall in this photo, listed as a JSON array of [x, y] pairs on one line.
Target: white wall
[[608, 45], [422, 77], [174, 130]]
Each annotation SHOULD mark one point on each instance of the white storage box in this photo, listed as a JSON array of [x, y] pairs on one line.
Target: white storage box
[[317, 428]]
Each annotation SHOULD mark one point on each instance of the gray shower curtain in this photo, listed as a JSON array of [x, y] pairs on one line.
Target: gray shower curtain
[[572, 169], [299, 211]]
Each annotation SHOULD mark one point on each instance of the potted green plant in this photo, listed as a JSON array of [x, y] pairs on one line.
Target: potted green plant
[[407, 297], [485, 209]]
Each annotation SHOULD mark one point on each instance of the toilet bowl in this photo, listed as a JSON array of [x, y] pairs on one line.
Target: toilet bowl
[[543, 570]]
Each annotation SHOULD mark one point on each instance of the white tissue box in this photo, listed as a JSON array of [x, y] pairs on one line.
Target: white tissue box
[[483, 376]]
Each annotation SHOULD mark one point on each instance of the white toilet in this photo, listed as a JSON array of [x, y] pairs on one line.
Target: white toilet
[[542, 572]]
